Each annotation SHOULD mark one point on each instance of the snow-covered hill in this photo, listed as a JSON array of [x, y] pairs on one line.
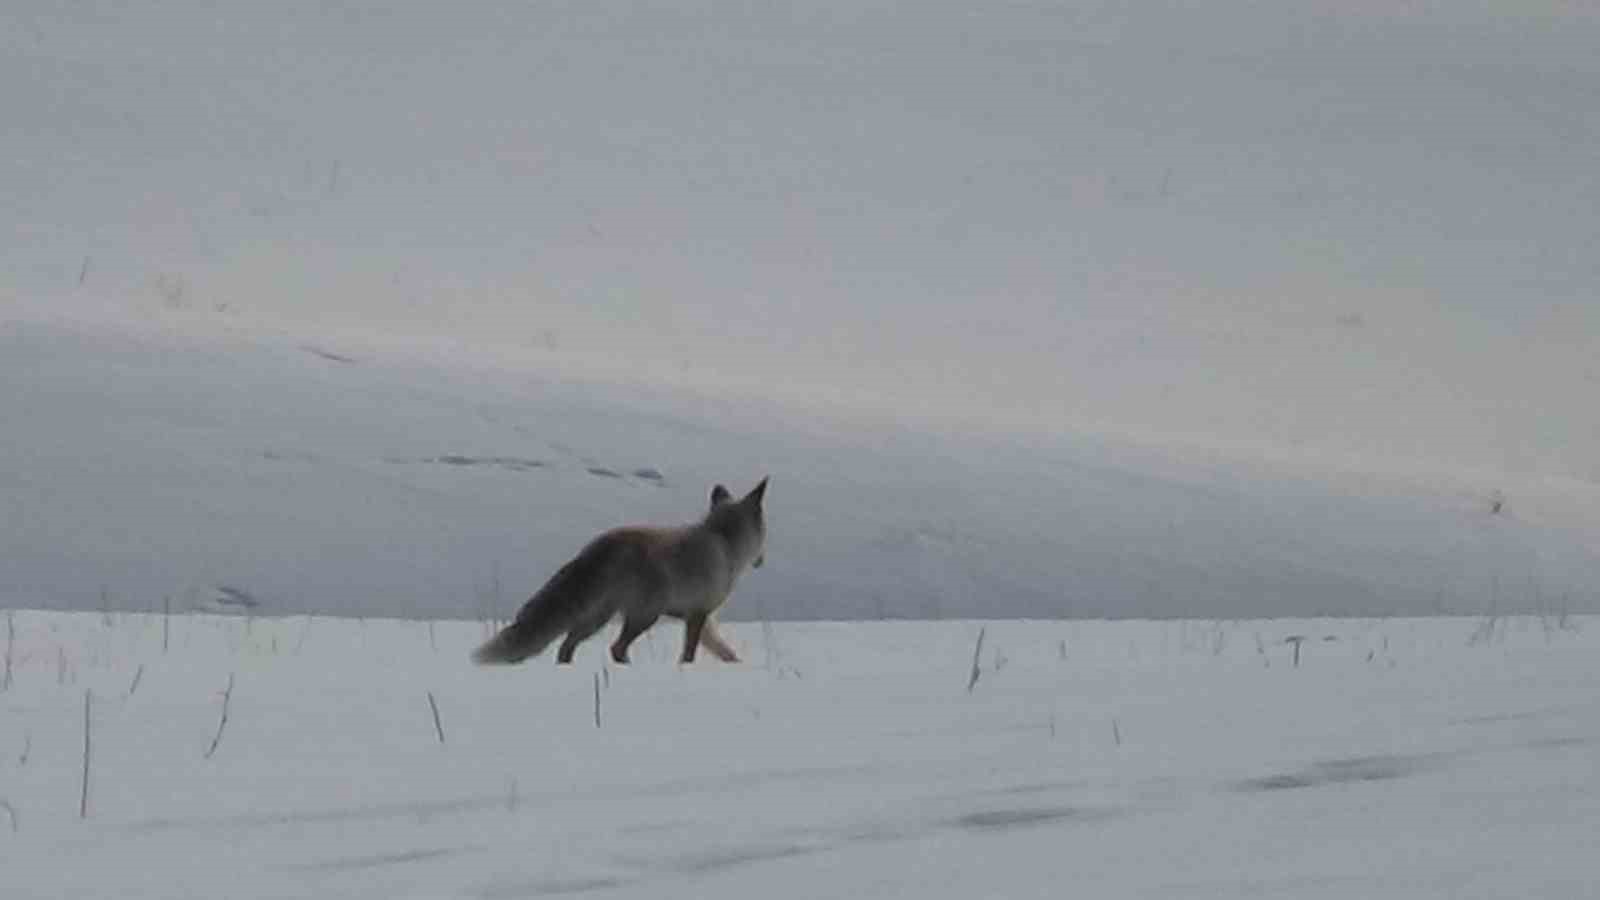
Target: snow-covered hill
[[1042, 309], [330, 478]]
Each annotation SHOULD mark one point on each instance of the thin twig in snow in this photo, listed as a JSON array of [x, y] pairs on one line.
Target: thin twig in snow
[[977, 651], [227, 695], [1296, 640], [437, 726], [83, 796], [11, 640]]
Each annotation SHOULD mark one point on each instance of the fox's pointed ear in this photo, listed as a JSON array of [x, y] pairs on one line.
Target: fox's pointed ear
[[719, 496], [757, 493]]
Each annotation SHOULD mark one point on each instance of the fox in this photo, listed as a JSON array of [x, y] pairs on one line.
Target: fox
[[643, 573]]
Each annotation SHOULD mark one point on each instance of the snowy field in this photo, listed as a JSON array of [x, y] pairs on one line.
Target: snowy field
[[1249, 317], [1403, 758]]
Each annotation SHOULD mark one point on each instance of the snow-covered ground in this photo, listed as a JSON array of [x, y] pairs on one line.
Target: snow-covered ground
[[1404, 758], [1030, 310]]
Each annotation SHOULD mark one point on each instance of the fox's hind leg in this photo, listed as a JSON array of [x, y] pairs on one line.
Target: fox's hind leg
[[632, 627], [579, 633]]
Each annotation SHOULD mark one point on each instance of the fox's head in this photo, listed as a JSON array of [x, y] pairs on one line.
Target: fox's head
[[743, 521]]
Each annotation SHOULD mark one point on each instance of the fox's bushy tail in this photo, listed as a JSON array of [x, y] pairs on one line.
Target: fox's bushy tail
[[552, 612], [513, 644]]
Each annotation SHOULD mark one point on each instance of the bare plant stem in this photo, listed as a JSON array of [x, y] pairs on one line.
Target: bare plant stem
[[136, 677], [977, 651], [766, 640], [83, 796], [597, 699], [227, 695], [305, 632], [11, 640], [438, 727], [1295, 640]]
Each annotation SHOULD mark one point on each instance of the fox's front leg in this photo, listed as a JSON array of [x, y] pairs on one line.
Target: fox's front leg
[[712, 640], [694, 626]]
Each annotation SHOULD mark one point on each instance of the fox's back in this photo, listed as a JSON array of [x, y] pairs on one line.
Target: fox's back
[[692, 562]]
